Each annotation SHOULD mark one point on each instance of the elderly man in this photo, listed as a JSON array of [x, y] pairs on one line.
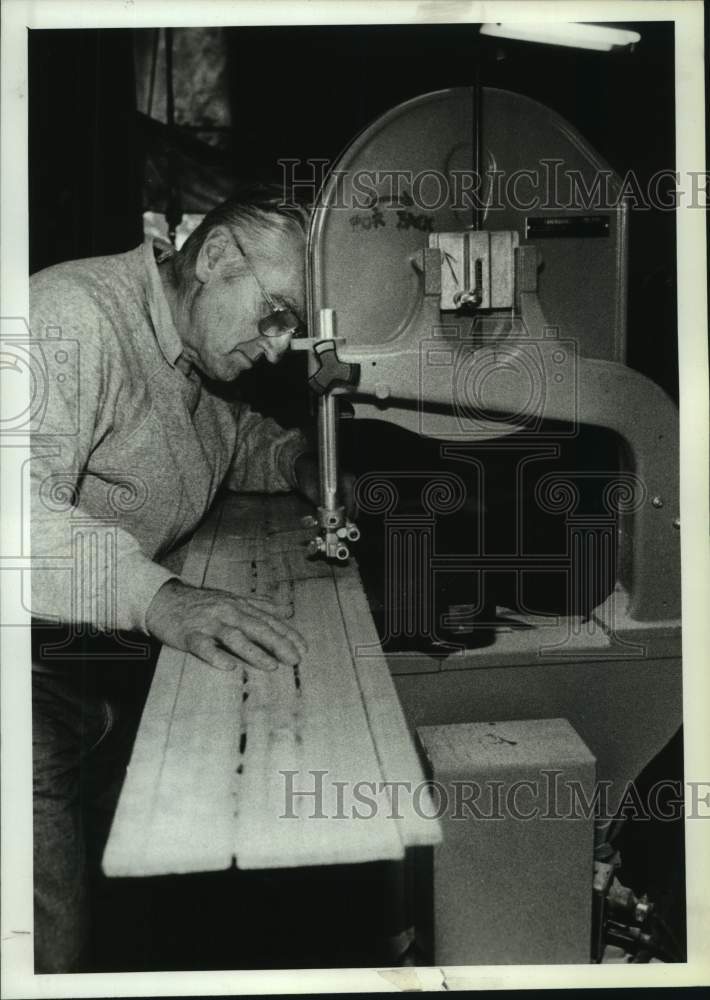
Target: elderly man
[[136, 439]]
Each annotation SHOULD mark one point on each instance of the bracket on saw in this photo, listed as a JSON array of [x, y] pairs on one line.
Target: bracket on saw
[[327, 374], [477, 269], [332, 372]]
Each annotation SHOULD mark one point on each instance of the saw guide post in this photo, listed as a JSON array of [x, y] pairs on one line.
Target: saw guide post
[[281, 769]]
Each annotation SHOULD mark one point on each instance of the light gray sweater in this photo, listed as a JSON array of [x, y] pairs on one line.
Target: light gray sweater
[[131, 450]]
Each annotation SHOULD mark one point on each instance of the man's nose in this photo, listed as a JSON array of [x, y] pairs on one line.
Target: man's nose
[[276, 347]]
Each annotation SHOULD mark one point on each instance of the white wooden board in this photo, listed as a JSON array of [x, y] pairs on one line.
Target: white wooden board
[[220, 756]]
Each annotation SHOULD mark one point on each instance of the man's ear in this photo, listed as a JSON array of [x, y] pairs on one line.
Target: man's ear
[[213, 250]]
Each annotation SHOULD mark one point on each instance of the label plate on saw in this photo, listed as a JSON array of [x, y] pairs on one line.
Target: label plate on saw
[[566, 226]]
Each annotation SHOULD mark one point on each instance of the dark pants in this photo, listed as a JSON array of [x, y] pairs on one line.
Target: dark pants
[[84, 719]]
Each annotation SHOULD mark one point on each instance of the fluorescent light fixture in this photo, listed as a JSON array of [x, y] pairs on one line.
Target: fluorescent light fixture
[[578, 36]]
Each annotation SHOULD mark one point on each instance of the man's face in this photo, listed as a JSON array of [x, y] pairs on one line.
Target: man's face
[[219, 327]]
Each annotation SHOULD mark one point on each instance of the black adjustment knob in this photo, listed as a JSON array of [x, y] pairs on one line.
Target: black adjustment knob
[[332, 372]]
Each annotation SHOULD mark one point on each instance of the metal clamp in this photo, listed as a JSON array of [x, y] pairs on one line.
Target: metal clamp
[[335, 530]]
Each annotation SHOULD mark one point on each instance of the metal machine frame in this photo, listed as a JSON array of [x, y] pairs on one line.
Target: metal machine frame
[[380, 302]]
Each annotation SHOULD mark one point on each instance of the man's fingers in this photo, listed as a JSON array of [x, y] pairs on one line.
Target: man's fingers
[[227, 631], [205, 648], [264, 636], [263, 603], [235, 640], [238, 652], [253, 601], [280, 612], [281, 603], [278, 625], [287, 632]]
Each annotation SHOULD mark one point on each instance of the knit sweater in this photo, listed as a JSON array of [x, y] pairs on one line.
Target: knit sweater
[[132, 447]]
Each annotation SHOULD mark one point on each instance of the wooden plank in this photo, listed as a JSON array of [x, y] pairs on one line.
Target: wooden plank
[[390, 734], [260, 516], [313, 721], [131, 843], [189, 826], [218, 753], [320, 732]]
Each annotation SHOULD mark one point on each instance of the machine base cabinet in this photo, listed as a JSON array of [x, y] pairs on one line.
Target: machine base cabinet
[[513, 875]]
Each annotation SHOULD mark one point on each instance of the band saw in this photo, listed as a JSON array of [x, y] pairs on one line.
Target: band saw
[[440, 305]]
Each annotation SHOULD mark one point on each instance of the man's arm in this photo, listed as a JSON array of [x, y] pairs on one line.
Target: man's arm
[[269, 459], [85, 569], [221, 628], [265, 455], [91, 570]]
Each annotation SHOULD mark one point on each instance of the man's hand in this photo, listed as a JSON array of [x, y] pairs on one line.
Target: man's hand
[[223, 630], [308, 483]]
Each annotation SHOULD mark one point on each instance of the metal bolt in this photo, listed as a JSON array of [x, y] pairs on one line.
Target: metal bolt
[[676, 522], [471, 297], [657, 502], [315, 546], [382, 391]]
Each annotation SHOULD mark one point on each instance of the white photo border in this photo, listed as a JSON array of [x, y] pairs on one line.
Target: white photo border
[[18, 16]]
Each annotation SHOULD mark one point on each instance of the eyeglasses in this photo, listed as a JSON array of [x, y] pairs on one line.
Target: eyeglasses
[[281, 320]]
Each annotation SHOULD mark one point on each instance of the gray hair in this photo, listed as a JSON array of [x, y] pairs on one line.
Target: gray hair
[[255, 212]]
